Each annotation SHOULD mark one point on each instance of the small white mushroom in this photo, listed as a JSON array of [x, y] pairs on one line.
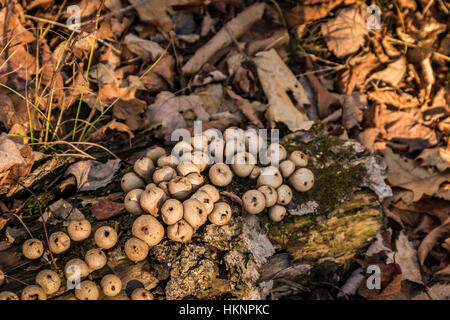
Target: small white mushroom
[[180, 187], [216, 150], [287, 167], [221, 214], [144, 167], [212, 191], [152, 200], [163, 174], [88, 290], [299, 158], [105, 237], [79, 230], [155, 153], [194, 212], [243, 164], [233, 133], [141, 294], [276, 153], [284, 194], [256, 171], [131, 181], [270, 194], [270, 176], [32, 249], [111, 285], [195, 179], [172, 211], [58, 242], [302, 180], [254, 201], [76, 269], [8, 295], [136, 249], [199, 142], [186, 168], [277, 213], [95, 259], [253, 141], [180, 231], [48, 280], [167, 161], [132, 202], [148, 229], [220, 175], [181, 150], [232, 147], [33, 292], [201, 160], [206, 199]]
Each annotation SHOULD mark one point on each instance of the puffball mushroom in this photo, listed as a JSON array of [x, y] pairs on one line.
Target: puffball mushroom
[[180, 231], [270, 195], [182, 150], [88, 290], [201, 160], [221, 214], [76, 268], [195, 179], [48, 280], [132, 202], [232, 147], [33, 292], [95, 259], [155, 153], [186, 168], [179, 187], [212, 191], [199, 142], [141, 294], [32, 248], [194, 212], [270, 176], [299, 158], [144, 167], [131, 181], [58, 242], [233, 133], [243, 164], [79, 230], [152, 200], [167, 161], [277, 213], [216, 149], [302, 180], [172, 211], [253, 141], [254, 201], [163, 174], [8, 295], [111, 285], [276, 153], [206, 199], [284, 194], [148, 229], [164, 186], [220, 175], [256, 171], [287, 167], [105, 237], [136, 249]]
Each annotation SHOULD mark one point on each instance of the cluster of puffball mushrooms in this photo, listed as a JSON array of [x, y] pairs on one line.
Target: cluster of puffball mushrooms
[[169, 189]]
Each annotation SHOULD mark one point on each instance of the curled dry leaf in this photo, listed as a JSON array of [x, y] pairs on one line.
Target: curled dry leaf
[[92, 175], [355, 77], [392, 74], [105, 132], [145, 49], [432, 239], [401, 101], [438, 157], [307, 12], [325, 99], [103, 208], [246, 108]]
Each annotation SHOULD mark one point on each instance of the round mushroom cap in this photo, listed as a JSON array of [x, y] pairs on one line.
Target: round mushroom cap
[[194, 212], [302, 180], [164, 186], [172, 211], [253, 141], [76, 269], [277, 213], [276, 153], [270, 176], [201, 160], [256, 171], [221, 214], [199, 142], [148, 229], [130, 181], [181, 149], [8, 295], [32, 249], [180, 187], [299, 158], [216, 150], [155, 153], [206, 199], [270, 194], [220, 175], [254, 201], [233, 133], [111, 285], [152, 200], [79, 230], [185, 168], [163, 174], [195, 179], [132, 202], [167, 161], [212, 191], [141, 294], [243, 164], [287, 167], [96, 259], [284, 194], [48, 280], [58, 242], [136, 249], [88, 290], [33, 292], [180, 231], [144, 167], [232, 147], [105, 237]]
